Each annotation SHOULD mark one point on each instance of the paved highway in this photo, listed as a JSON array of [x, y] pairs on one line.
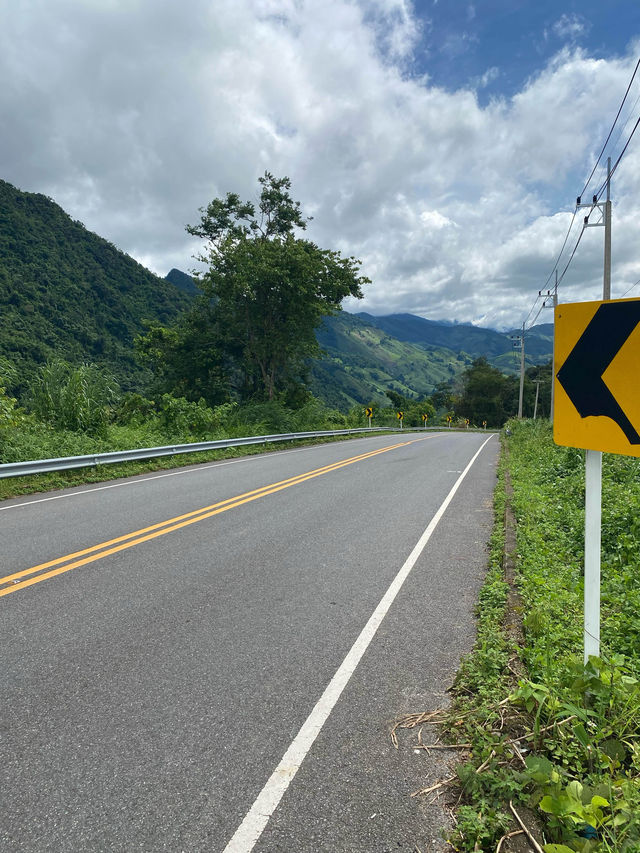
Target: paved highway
[[211, 659]]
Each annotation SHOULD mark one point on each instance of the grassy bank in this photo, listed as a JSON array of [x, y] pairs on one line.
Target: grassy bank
[[554, 744]]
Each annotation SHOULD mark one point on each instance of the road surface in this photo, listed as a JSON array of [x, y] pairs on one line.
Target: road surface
[[211, 659]]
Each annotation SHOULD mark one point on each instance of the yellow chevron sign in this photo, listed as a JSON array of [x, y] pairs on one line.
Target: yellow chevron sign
[[597, 353]]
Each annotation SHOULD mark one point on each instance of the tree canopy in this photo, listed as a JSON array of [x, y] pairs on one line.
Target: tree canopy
[[488, 395], [270, 288]]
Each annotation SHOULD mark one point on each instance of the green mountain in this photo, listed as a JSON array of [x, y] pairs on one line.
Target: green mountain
[[361, 362], [65, 292]]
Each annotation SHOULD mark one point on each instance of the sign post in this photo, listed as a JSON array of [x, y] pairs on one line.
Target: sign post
[[425, 418], [401, 419], [597, 407], [369, 413]]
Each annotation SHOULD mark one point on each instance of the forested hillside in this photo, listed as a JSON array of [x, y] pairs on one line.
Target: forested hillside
[[66, 292], [361, 363]]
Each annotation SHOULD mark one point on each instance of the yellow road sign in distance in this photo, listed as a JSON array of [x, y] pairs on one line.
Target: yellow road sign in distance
[[400, 416], [597, 357], [425, 418], [369, 412]]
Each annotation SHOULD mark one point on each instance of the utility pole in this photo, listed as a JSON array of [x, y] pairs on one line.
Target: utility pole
[[593, 468], [521, 373], [553, 296], [606, 289], [535, 405]]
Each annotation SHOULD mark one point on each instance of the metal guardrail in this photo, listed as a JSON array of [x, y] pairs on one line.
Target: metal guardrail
[[63, 463]]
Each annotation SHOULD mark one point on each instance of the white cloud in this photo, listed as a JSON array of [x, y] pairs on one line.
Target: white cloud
[[570, 27], [133, 115], [489, 76]]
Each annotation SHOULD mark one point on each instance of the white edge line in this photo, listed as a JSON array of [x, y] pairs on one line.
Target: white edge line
[[133, 479], [251, 828]]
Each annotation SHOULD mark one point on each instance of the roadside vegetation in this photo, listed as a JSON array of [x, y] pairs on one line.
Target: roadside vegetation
[[77, 410], [555, 745]]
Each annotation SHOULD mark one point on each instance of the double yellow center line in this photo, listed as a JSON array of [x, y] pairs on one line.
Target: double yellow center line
[[44, 571]]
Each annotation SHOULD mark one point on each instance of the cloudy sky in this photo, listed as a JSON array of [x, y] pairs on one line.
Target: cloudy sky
[[442, 142]]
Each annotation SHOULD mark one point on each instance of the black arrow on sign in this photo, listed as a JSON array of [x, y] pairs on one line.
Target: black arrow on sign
[[581, 374]]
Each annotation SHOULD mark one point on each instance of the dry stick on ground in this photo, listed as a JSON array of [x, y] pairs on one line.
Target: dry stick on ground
[[512, 670], [434, 717], [486, 762], [543, 729], [517, 753], [429, 746], [451, 779], [532, 840], [507, 836], [435, 787], [413, 720]]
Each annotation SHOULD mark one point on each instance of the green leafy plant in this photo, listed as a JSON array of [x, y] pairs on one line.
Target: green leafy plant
[[73, 398]]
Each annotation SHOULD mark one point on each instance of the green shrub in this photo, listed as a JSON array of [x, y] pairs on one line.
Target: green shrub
[[73, 398], [179, 417]]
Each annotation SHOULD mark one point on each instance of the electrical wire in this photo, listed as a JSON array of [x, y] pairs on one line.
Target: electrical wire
[[555, 266], [630, 289], [598, 194], [531, 310], [572, 254], [617, 163], [612, 128], [533, 322], [623, 127]]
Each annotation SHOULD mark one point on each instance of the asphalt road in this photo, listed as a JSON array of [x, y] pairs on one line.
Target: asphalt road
[[165, 638]]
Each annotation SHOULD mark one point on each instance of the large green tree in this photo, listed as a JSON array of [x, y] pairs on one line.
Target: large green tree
[[270, 288], [488, 395]]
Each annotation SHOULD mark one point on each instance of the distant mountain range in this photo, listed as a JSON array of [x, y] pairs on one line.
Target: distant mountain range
[[460, 337], [66, 292], [366, 355]]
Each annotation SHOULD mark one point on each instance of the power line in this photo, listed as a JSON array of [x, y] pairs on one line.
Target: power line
[[617, 163], [596, 197], [533, 322], [603, 186], [622, 129], [630, 288], [531, 309], [571, 258], [555, 266], [635, 71]]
